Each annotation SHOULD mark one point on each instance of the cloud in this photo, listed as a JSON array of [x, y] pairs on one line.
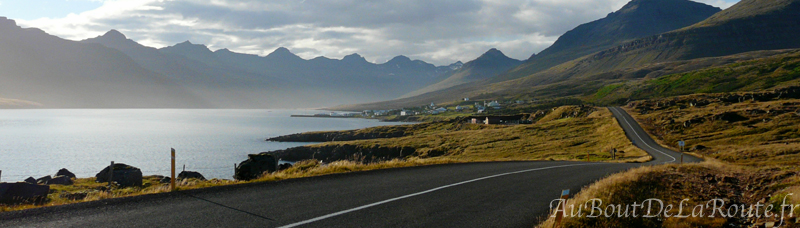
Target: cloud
[[440, 32]]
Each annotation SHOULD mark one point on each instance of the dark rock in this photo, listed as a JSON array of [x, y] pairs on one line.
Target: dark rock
[[255, 166], [124, 175], [17, 193], [166, 180], [730, 117], [284, 166], [61, 180], [191, 175], [698, 147], [65, 172], [44, 179], [30, 180]]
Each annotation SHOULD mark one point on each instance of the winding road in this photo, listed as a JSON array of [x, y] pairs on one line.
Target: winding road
[[494, 194]]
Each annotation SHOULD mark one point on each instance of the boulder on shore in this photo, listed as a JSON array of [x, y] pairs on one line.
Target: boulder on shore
[[17, 193], [65, 172], [60, 180], [191, 175], [124, 175], [44, 179], [30, 180], [255, 166]]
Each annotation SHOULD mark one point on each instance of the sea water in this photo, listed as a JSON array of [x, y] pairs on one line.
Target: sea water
[[39, 142]]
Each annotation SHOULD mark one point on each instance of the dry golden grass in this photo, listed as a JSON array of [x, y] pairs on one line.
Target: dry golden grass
[[762, 139], [557, 138], [698, 183]]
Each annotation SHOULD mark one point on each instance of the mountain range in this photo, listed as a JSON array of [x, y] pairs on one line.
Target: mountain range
[[643, 40], [112, 71]]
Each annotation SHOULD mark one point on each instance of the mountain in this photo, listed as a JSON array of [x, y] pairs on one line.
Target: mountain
[[750, 25], [748, 30], [488, 65], [637, 19], [57, 73]]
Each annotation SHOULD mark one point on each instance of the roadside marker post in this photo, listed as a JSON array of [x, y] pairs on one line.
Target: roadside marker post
[[172, 176], [563, 206], [681, 146], [1, 174]]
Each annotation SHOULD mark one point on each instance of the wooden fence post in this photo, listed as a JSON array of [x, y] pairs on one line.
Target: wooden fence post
[[172, 176]]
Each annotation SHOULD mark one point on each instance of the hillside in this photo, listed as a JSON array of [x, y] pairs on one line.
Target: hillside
[[637, 19], [488, 65]]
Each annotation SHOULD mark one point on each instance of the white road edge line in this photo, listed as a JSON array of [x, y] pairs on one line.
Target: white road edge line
[[640, 137], [424, 192]]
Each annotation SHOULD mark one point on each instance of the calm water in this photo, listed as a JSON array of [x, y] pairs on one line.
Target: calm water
[[40, 142]]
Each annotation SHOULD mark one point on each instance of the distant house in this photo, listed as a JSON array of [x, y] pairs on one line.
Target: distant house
[[406, 113], [520, 102], [466, 99], [494, 105], [433, 105], [459, 108], [442, 109], [482, 110]]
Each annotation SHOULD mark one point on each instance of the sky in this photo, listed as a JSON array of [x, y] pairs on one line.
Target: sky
[[436, 31]]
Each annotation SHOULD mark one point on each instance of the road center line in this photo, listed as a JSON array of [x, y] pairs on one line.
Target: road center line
[[425, 192], [639, 136]]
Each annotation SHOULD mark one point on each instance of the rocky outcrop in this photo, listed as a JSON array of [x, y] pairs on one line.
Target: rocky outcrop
[[336, 136], [330, 153], [191, 175], [65, 172], [18, 193], [124, 175], [255, 166], [30, 180]]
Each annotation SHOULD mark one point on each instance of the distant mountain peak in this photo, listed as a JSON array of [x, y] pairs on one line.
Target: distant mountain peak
[[283, 53], [400, 59], [7, 23], [115, 35], [355, 57], [493, 54]]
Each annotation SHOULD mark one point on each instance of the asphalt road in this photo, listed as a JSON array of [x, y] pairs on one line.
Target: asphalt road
[[497, 194]]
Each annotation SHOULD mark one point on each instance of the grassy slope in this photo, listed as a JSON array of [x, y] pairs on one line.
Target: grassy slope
[[555, 138], [750, 75]]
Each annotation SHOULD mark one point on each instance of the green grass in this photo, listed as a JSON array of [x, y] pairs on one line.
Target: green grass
[[764, 73]]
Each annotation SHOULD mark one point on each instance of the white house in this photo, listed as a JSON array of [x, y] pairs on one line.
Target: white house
[[442, 109], [466, 99]]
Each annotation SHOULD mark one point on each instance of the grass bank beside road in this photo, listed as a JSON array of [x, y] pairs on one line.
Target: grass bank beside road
[[752, 148]]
